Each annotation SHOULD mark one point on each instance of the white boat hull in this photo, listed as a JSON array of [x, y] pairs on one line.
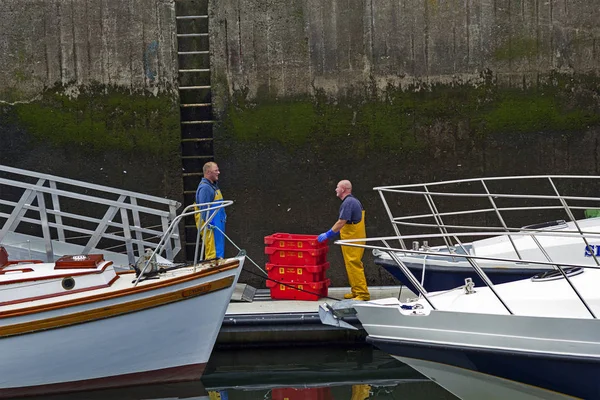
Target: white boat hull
[[536, 356], [467, 384], [161, 335], [529, 338]]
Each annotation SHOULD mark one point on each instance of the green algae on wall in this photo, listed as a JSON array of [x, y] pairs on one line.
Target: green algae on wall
[[517, 48], [403, 118], [103, 118]]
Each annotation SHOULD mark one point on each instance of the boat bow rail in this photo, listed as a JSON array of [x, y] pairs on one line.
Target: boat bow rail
[[495, 205], [149, 264]]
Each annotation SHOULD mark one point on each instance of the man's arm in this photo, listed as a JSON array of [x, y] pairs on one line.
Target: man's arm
[[333, 231], [338, 225]]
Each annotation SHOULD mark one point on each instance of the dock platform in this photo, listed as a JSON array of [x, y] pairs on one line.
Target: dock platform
[[254, 319]]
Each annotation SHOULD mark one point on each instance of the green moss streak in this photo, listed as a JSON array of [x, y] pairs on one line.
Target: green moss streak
[[518, 48], [403, 118], [104, 118], [290, 121]]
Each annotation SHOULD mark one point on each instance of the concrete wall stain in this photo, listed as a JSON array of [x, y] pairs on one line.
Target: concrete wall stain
[[517, 48], [399, 117], [149, 55], [103, 118]]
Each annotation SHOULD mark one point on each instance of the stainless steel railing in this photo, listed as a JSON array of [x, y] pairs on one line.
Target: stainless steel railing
[[54, 211], [473, 260], [508, 189], [209, 210]]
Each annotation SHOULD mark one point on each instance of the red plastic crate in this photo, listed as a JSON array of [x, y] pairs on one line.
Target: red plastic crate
[[287, 290], [322, 393], [297, 256], [297, 273], [293, 241]]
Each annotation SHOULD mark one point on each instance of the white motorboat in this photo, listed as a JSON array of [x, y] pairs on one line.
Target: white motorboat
[[472, 200], [77, 322], [537, 338]]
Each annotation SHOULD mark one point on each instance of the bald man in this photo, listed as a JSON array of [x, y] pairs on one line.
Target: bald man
[[350, 225]]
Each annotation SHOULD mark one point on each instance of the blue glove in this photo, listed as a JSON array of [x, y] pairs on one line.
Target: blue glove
[[326, 235]]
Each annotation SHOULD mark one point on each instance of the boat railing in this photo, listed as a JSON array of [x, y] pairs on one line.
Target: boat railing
[[208, 211], [495, 204], [55, 211], [449, 214], [383, 244]]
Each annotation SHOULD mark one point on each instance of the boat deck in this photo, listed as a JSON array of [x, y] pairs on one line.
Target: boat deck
[[254, 319]]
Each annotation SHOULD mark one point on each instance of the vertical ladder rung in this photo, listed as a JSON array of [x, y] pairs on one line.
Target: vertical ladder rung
[[192, 34], [196, 122], [185, 53], [196, 105], [192, 17], [197, 140], [194, 87]]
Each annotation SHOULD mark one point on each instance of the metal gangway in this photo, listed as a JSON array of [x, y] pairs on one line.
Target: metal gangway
[[45, 217]]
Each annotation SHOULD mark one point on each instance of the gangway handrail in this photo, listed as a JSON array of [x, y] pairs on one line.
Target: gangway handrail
[[74, 182], [44, 205]]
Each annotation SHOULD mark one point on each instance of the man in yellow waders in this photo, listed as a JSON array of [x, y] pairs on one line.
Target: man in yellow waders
[[351, 225], [208, 191]]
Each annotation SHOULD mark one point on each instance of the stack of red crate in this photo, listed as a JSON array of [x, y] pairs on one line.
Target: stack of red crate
[[296, 262]]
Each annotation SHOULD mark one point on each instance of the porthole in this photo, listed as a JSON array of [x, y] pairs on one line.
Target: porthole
[[68, 283]]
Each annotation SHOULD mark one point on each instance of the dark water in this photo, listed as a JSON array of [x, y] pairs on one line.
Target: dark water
[[294, 373], [320, 373]]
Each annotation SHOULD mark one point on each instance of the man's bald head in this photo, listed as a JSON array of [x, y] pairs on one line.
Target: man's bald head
[[345, 184], [343, 189]]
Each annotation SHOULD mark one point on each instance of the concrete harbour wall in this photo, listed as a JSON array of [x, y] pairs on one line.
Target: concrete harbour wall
[[88, 90], [389, 92]]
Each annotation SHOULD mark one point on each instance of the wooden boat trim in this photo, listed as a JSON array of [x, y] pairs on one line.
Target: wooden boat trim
[[116, 309], [16, 262], [47, 296], [120, 293], [81, 261], [4, 271], [49, 277]]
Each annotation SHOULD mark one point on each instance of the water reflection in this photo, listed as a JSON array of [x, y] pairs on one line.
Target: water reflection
[[306, 373], [319, 373]]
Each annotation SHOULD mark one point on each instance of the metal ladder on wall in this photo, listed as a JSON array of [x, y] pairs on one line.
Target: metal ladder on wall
[[195, 100]]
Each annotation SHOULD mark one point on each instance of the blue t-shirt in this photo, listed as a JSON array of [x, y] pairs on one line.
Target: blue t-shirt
[[205, 193], [351, 209]]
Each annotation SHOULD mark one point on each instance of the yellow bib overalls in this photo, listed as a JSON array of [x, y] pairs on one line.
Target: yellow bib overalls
[[353, 258]]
